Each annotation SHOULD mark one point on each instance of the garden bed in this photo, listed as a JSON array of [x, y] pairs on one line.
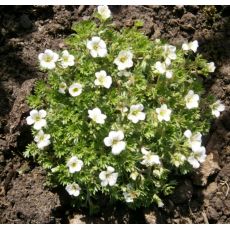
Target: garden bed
[[203, 197]]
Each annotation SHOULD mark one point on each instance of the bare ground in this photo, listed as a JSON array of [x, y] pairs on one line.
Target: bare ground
[[25, 31]]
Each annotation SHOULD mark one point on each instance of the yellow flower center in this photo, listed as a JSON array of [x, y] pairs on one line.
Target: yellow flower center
[[65, 58], [75, 90], [48, 58], [74, 164], [95, 46], [115, 141], [162, 112], [123, 59], [41, 138], [101, 80], [37, 118], [135, 112]]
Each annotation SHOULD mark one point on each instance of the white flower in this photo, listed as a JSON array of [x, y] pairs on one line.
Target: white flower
[[55, 169], [190, 46], [108, 177], [197, 157], [97, 116], [135, 113], [75, 89], [149, 158], [115, 141], [124, 110], [104, 12], [194, 140], [74, 164], [73, 189], [160, 204], [124, 73], [157, 41], [211, 67], [158, 172], [191, 100], [97, 47], [67, 59], [103, 79], [124, 60], [62, 87], [36, 118], [163, 113], [42, 139], [217, 107], [169, 52], [48, 59], [128, 196], [178, 159], [134, 175], [158, 200], [162, 68], [129, 193]]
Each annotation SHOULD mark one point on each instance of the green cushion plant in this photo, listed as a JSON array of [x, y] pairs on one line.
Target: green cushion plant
[[120, 115]]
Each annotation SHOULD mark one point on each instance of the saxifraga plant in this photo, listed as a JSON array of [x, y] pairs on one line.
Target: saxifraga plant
[[120, 115]]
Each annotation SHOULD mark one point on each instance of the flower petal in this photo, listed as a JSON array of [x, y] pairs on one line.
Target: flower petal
[[102, 175], [188, 133], [118, 148], [108, 141], [42, 113], [29, 120], [39, 124], [113, 179]]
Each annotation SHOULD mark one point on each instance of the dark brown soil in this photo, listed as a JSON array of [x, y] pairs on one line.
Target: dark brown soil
[[25, 31]]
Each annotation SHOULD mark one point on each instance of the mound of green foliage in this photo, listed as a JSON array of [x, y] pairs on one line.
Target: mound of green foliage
[[119, 115]]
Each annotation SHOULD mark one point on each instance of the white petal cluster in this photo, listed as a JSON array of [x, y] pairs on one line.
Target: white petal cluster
[[124, 73], [190, 46], [149, 158], [162, 68], [115, 140], [134, 175], [67, 59], [48, 59], [178, 159], [124, 60], [96, 115], [217, 107], [75, 89], [124, 110], [74, 164], [108, 177], [97, 47], [129, 194], [191, 100], [169, 52], [73, 189], [42, 139], [198, 156], [211, 67], [157, 41], [102, 79], [158, 172], [159, 202], [104, 12], [36, 118], [163, 113], [62, 87], [194, 140], [136, 113]]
